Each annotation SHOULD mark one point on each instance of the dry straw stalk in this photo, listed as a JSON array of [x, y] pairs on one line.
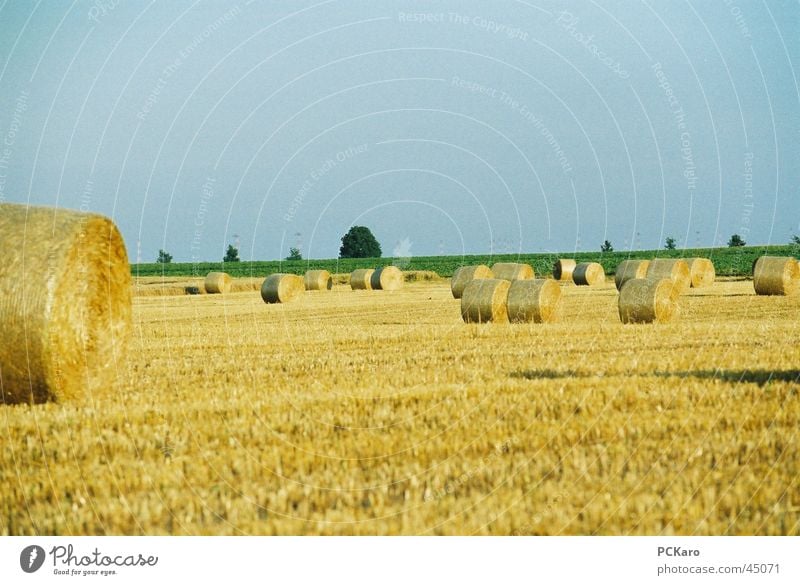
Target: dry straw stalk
[[466, 274], [512, 271], [282, 288], [563, 269], [675, 269], [588, 274], [65, 303], [485, 300], [361, 279], [387, 278], [630, 269], [217, 283], [701, 272], [776, 275], [643, 300], [318, 280], [533, 301]]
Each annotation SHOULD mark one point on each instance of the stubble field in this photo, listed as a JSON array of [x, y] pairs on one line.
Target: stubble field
[[367, 412]]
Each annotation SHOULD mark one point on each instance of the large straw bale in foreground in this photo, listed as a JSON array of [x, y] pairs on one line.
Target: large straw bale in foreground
[[65, 303], [776, 275], [675, 269], [589, 274], [282, 288], [485, 300], [318, 280], [643, 300], [361, 279], [217, 283], [533, 300], [563, 269], [512, 271], [387, 278], [466, 274], [628, 270], [701, 272]]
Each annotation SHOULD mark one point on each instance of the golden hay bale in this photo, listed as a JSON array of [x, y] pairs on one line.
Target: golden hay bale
[[533, 300], [318, 280], [776, 275], [512, 271], [563, 268], [675, 269], [701, 272], [630, 269], [65, 303], [588, 274], [484, 300], [282, 288], [361, 279], [217, 283], [466, 274], [644, 300], [387, 278]]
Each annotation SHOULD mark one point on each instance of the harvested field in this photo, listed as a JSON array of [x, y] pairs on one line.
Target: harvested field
[[356, 412]]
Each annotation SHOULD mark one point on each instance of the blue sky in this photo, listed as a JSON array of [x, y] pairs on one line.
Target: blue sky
[[455, 127]]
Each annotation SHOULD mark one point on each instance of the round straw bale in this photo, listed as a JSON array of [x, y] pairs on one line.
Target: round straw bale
[[776, 275], [563, 268], [387, 278], [512, 271], [282, 288], [588, 274], [65, 303], [675, 269], [217, 283], [361, 279], [701, 272], [533, 300], [464, 275], [484, 300], [318, 280], [643, 300], [628, 270]]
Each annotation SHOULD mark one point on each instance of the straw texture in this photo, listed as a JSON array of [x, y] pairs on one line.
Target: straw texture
[[534, 301], [65, 303], [643, 300], [466, 274], [485, 300], [318, 280], [282, 288], [675, 269], [628, 270], [361, 279], [776, 275], [217, 283], [588, 274], [387, 278], [701, 272], [512, 271], [563, 269]]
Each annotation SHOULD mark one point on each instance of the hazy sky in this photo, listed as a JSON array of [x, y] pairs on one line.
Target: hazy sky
[[446, 127]]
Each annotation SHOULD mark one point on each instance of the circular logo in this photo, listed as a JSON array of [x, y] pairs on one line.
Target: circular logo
[[31, 558]]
